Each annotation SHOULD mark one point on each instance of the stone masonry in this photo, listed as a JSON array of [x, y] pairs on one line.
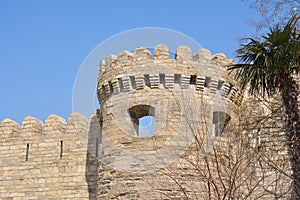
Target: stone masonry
[[198, 150], [192, 99], [47, 162]]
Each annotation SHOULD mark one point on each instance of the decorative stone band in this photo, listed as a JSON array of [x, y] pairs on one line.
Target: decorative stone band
[[169, 81], [53, 127], [201, 71]]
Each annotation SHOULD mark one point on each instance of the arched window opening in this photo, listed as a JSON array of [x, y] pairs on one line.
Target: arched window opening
[[143, 119], [220, 121], [146, 126]]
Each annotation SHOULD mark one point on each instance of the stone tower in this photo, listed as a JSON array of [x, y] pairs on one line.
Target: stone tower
[[201, 141], [189, 98]]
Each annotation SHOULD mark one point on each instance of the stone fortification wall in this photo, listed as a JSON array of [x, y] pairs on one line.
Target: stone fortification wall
[[206, 143], [49, 161], [183, 94]]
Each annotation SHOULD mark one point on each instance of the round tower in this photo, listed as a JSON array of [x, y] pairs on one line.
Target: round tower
[[189, 100]]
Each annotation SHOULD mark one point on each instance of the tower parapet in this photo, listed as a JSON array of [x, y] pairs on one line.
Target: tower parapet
[[133, 71], [189, 96]]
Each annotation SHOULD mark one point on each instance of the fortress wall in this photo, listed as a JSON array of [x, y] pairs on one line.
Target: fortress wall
[[78, 159], [47, 161], [184, 176], [185, 93]]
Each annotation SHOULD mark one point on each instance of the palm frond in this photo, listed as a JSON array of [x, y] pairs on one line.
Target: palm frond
[[263, 64]]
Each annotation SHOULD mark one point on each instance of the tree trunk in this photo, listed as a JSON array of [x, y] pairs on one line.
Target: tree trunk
[[292, 128]]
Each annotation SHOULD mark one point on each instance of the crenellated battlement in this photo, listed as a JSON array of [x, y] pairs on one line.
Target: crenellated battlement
[[9, 128], [183, 55], [203, 72], [51, 160], [54, 126], [31, 127], [190, 105]]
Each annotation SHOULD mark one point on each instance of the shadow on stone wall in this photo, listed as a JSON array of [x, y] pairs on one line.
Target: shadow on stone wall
[[94, 140]]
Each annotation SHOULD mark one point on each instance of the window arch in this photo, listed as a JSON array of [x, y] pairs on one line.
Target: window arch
[[220, 121], [143, 119]]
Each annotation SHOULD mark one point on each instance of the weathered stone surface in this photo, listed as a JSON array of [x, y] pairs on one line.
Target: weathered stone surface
[[53, 165], [196, 108], [184, 94]]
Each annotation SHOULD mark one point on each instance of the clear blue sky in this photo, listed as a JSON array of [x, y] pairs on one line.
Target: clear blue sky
[[43, 43]]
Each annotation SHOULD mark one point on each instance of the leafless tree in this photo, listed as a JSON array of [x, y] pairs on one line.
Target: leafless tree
[[249, 160], [272, 11]]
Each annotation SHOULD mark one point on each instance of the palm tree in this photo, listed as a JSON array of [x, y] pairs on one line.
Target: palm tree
[[271, 66]]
